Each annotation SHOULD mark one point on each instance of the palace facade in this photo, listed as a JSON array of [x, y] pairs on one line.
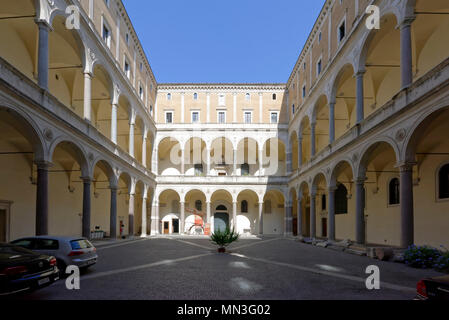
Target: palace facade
[[352, 146]]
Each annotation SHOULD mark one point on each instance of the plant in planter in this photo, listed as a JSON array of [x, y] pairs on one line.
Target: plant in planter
[[442, 263], [224, 238], [423, 257]]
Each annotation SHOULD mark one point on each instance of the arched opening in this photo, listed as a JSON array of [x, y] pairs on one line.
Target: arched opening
[[101, 100], [247, 212], [123, 123], [343, 178], [169, 158], [394, 197], [274, 158], [66, 55], [382, 220], [195, 157], [139, 210], [66, 190], [247, 157], [304, 225], [196, 212], [345, 100], [294, 204], [321, 214], [18, 39], [20, 146], [382, 79], [222, 157], [139, 131], [306, 143], [429, 148], [169, 212], [273, 212], [294, 143], [222, 206], [126, 219], [429, 33]]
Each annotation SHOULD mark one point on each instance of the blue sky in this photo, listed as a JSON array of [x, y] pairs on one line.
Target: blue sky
[[231, 41]]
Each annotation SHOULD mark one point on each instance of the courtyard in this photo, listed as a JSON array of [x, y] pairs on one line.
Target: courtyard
[[268, 268]]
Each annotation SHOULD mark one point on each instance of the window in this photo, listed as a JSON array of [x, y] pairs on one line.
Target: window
[[195, 96], [342, 31], [305, 66], [141, 66], [221, 208], [169, 96], [244, 169], [248, 117], [248, 97], [169, 117], [198, 169], [106, 35], [140, 91], [151, 109], [274, 96], [341, 200], [221, 117], [274, 117], [293, 109], [318, 67], [127, 69], [195, 117], [221, 100], [198, 205], [244, 206], [323, 202], [320, 36], [394, 192], [127, 38], [304, 91], [107, 3], [443, 182]]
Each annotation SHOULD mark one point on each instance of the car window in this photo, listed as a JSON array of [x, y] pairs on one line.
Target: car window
[[14, 250], [25, 243], [47, 244], [80, 244]]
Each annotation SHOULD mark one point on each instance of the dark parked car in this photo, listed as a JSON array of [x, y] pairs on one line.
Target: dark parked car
[[434, 289], [22, 270]]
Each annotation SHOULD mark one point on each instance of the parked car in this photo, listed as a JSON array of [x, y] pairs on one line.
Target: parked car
[[25, 270], [434, 289], [68, 250]]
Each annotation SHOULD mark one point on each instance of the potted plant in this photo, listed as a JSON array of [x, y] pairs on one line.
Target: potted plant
[[224, 238]]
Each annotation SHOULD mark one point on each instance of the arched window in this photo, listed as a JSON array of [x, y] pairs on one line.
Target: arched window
[[443, 185], [245, 169], [244, 206], [198, 205], [274, 96], [394, 192], [195, 96], [341, 200]]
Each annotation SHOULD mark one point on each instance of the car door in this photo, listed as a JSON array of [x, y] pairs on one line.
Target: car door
[[48, 247]]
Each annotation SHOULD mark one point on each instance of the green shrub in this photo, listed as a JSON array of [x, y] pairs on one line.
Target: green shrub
[[421, 257], [224, 238], [442, 263]]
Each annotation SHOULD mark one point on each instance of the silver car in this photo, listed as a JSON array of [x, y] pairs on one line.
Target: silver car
[[67, 250]]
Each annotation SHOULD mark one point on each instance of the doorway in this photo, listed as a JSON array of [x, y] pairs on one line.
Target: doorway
[[221, 221], [324, 227], [175, 225], [166, 227]]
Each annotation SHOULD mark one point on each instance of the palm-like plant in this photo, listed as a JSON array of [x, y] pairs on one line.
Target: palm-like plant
[[224, 238]]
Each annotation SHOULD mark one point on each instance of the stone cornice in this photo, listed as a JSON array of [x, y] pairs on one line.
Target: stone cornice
[[223, 86]]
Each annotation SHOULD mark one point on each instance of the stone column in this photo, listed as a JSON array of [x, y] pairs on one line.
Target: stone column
[[208, 217], [87, 181], [113, 214], [144, 149], [235, 163], [155, 161], [87, 96], [234, 215], [260, 218], [300, 214], [42, 199], [331, 206], [331, 122], [131, 215], [114, 110], [406, 53], [407, 210], [288, 219], [313, 139], [208, 162], [155, 219], [183, 218], [359, 211], [182, 162], [313, 215], [131, 138], [289, 162], [260, 162], [360, 97], [144, 217], [43, 54]]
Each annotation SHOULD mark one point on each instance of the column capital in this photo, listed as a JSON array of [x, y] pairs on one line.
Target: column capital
[[43, 165], [359, 180], [43, 24], [406, 22], [359, 73], [405, 166], [332, 188], [87, 179]]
